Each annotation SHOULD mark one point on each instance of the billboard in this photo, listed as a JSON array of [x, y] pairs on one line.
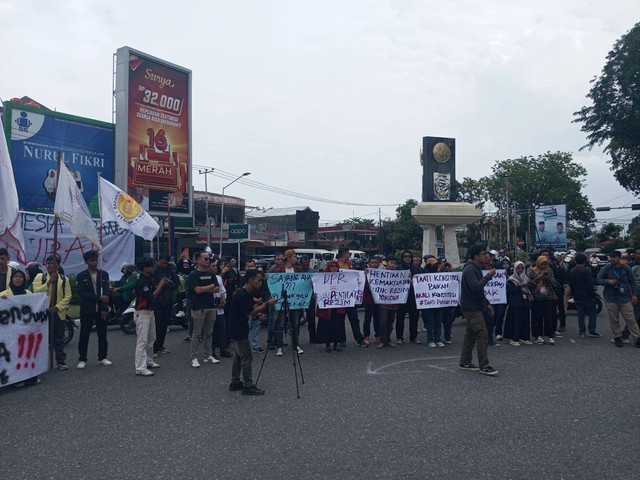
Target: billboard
[[153, 132], [36, 135], [551, 227]]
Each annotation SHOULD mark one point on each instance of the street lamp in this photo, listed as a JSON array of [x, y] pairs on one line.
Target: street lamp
[[206, 207], [222, 208]]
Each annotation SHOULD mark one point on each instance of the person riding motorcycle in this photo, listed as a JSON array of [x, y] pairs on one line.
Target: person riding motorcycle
[[122, 291]]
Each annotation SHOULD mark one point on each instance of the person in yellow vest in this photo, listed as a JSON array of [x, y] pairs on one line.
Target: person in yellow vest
[[44, 282]]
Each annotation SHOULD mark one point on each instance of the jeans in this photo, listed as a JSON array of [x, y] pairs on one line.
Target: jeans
[[475, 334], [294, 324], [254, 324], [387, 316], [433, 320], [586, 307], [447, 322], [242, 362], [145, 338], [58, 340], [371, 310], [86, 322]]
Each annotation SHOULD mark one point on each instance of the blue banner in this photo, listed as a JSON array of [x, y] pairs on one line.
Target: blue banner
[[297, 285]]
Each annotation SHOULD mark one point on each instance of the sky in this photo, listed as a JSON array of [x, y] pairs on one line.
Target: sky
[[331, 99]]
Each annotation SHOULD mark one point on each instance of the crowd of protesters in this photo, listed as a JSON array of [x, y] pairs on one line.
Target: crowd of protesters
[[226, 306]]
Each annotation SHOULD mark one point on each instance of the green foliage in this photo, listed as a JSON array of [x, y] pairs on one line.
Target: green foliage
[[75, 298], [473, 191], [403, 232], [357, 221], [613, 118]]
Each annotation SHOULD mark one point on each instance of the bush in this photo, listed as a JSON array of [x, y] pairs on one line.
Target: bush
[[75, 299]]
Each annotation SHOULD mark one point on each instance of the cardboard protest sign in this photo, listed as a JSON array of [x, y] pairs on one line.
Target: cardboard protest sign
[[389, 287], [496, 289], [337, 289], [24, 337], [437, 290], [297, 286]]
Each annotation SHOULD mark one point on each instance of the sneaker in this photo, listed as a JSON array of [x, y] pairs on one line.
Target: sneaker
[[380, 345], [400, 341], [625, 335], [562, 329], [488, 371], [416, 341], [376, 339], [468, 366], [299, 350], [145, 373], [234, 387], [155, 354], [551, 341], [271, 347], [105, 363], [439, 344], [391, 344], [539, 341], [165, 350], [595, 335], [513, 343], [186, 340], [256, 350], [279, 352], [431, 345], [62, 366], [152, 365], [526, 342], [582, 335], [195, 363], [252, 390], [211, 359], [367, 340], [447, 342], [618, 341], [494, 344], [82, 364], [559, 333], [363, 344], [499, 337]]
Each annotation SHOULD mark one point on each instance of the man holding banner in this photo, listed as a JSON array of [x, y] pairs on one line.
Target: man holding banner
[[473, 304]]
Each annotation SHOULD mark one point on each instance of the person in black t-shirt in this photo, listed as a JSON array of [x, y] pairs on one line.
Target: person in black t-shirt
[[244, 306]]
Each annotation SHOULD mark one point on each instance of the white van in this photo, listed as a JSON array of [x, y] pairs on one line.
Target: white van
[[319, 258], [353, 254]]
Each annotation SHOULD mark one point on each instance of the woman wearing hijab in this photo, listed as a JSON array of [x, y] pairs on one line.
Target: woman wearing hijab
[[329, 320], [542, 285], [519, 300]]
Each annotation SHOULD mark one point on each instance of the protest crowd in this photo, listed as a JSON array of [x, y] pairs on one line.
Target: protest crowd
[[226, 306]]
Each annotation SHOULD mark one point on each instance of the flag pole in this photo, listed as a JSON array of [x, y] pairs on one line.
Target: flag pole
[[53, 299], [168, 226], [101, 241]]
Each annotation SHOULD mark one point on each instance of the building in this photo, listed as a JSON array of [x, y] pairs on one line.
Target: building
[[294, 226], [357, 237]]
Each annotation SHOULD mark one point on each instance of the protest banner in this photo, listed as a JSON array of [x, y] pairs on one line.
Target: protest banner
[[24, 337], [389, 287], [297, 286], [436, 290], [496, 289], [336, 289], [361, 281]]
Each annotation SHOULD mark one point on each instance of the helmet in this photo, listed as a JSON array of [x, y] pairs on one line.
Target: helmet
[[127, 267], [493, 252], [14, 265]]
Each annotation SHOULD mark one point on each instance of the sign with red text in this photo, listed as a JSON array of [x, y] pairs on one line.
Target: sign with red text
[[496, 289], [336, 289], [389, 287], [437, 290], [153, 131], [24, 337]]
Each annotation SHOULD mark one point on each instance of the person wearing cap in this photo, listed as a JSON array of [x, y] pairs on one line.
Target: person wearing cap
[[432, 317], [620, 295], [581, 287]]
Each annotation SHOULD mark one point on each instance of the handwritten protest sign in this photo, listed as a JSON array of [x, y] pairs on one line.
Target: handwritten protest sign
[[389, 287], [496, 289], [297, 286], [436, 290], [337, 289], [24, 337], [361, 281]]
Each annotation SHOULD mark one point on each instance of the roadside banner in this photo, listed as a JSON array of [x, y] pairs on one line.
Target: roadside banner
[[336, 289], [24, 337], [389, 287], [437, 290], [496, 289], [298, 288]]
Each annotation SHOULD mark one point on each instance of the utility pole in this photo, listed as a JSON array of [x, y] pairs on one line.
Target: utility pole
[[206, 204], [506, 190]]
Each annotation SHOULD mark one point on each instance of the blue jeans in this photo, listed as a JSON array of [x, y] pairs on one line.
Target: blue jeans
[[433, 322], [254, 324], [589, 308]]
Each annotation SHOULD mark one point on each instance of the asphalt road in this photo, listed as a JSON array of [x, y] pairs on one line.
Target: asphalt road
[[554, 412]]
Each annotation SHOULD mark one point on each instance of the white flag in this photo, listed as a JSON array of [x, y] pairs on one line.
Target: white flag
[[10, 228], [71, 207], [117, 206]]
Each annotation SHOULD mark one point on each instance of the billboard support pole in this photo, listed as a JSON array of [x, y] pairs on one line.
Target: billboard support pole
[[53, 300]]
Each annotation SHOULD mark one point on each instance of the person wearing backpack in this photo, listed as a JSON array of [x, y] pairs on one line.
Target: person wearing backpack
[[44, 282]]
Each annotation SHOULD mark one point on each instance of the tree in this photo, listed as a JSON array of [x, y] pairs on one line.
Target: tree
[[403, 232], [357, 222], [613, 118]]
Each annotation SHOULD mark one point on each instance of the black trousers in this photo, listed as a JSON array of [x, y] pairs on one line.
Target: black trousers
[[58, 340], [412, 310], [163, 314], [86, 322]]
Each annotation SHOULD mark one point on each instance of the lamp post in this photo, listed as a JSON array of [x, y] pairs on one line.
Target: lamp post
[[222, 207], [206, 204], [506, 189]]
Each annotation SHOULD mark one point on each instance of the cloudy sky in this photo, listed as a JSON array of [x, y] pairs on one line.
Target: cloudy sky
[[331, 99]]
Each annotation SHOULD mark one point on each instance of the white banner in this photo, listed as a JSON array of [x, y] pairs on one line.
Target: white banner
[[119, 244], [496, 289], [389, 287], [436, 290], [24, 337], [336, 289]]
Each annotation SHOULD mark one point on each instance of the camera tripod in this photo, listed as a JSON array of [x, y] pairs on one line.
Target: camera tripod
[[294, 342]]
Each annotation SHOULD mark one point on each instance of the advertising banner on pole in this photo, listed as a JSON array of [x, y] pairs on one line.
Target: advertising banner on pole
[[437, 290], [153, 111], [298, 288], [337, 289], [551, 227], [24, 337], [36, 135]]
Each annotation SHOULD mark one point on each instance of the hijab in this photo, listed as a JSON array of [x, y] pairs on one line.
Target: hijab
[[21, 290], [519, 278]]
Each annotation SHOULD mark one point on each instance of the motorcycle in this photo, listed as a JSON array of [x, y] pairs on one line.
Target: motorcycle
[[178, 315], [69, 328], [571, 304]]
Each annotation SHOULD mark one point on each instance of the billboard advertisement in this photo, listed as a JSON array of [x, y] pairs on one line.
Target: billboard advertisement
[[36, 135], [551, 227], [153, 133]]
